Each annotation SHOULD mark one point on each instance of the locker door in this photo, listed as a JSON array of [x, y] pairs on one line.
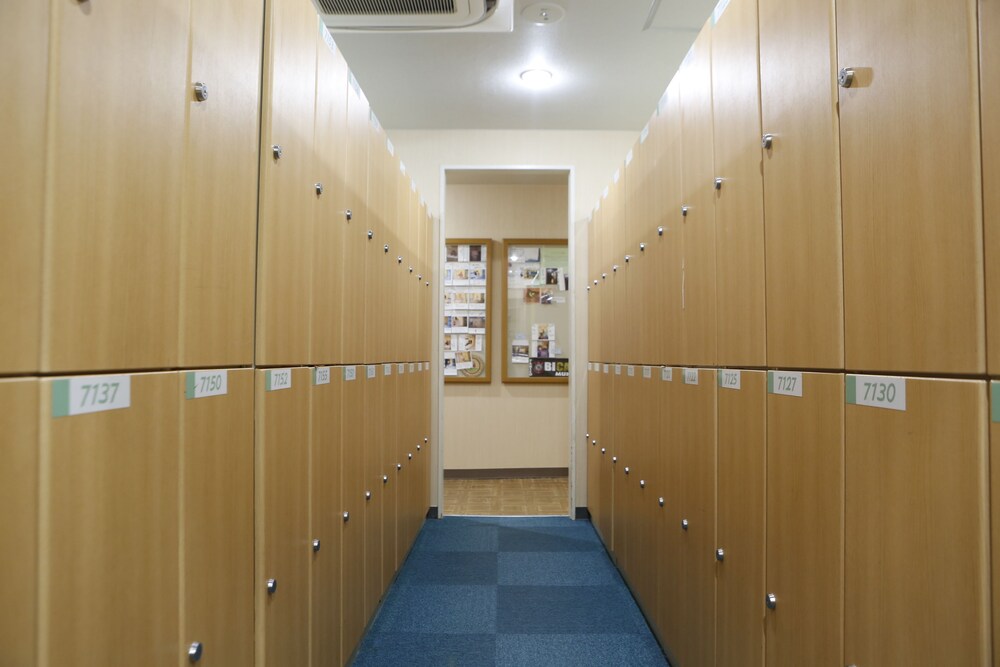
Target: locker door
[[644, 233], [356, 224], [741, 531], [989, 46], [218, 520], [118, 94], [805, 520], [608, 417], [803, 248], [916, 202], [631, 213], [618, 311], [377, 265], [109, 580], [354, 487], [670, 611], [219, 216], [917, 524], [378, 481], [392, 465], [995, 507], [621, 402], [647, 511], [329, 149], [594, 441], [24, 72], [19, 521], [282, 516], [326, 520], [739, 197]]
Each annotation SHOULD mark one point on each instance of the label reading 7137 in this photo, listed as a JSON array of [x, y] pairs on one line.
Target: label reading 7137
[[83, 395]]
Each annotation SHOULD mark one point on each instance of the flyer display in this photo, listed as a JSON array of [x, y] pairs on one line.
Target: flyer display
[[466, 310]]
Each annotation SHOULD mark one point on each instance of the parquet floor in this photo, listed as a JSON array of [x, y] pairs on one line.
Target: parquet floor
[[507, 497]]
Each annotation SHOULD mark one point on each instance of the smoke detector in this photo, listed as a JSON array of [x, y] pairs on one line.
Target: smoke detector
[[543, 13]]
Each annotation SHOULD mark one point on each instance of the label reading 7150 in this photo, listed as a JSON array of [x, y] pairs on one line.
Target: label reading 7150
[[202, 384]]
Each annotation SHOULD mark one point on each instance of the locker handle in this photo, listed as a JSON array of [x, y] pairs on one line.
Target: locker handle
[[614, 459], [385, 479], [385, 248], [411, 269], [368, 495], [642, 247], [660, 501], [603, 450], [718, 184], [276, 151], [425, 441], [194, 651], [767, 141], [720, 555], [586, 436], [615, 268], [200, 91], [319, 188], [316, 546], [684, 524], [684, 211], [349, 214], [410, 456], [659, 231], [627, 258], [272, 584], [626, 470], [399, 466], [845, 77], [418, 448], [593, 443], [347, 516], [642, 484], [604, 276], [771, 601], [595, 283]]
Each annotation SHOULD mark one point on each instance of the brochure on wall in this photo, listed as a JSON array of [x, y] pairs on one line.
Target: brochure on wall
[[466, 310]]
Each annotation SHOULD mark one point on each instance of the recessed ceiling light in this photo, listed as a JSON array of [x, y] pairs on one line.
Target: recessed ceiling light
[[543, 13], [536, 77]]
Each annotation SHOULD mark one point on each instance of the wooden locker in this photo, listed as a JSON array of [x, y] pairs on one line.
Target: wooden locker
[[287, 185], [377, 481], [912, 209], [622, 403], [218, 231], [803, 253], [642, 481], [917, 569], [218, 521], [739, 196], [741, 530], [698, 264], [377, 264], [631, 214], [995, 509], [356, 241], [118, 94], [989, 91], [388, 418], [283, 545], [594, 440], [647, 328], [805, 520], [109, 522], [603, 522], [19, 521], [671, 615], [353, 490], [329, 279], [326, 519], [24, 67], [617, 292]]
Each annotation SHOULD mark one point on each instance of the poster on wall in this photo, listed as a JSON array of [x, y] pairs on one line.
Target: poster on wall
[[466, 322]]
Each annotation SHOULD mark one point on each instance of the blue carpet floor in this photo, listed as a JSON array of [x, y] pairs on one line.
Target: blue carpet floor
[[508, 591]]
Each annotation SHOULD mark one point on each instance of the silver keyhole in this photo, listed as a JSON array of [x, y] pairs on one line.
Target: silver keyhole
[[767, 141], [720, 555], [385, 248], [684, 524], [660, 501], [642, 247], [194, 652], [385, 479], [659, 231], [614, 459], [347, 516], [319, 189], [349, 214], [603, 450], [718, 184], [845, 77], [642, 484], [200, 91], [276, 151], [771, 601], [316, 546], [626, 470], [684, 211], [368, 495], [399, 260], [272, 586]]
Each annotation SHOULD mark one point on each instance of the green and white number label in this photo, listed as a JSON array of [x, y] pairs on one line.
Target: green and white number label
[[667, 374], [413, 368], [83, 395], [876, 391], [401, 369], [202, 384], [690, 376], [995, 398], [386, 369], [784, 383], [350, 373], [370, 372], [631, 371], [321, 375], [607, 368], [279, 378], [618, 369], [647, 372], [729, 379]]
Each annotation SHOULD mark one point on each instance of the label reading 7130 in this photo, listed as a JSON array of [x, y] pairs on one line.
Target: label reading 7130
[[876, 391]]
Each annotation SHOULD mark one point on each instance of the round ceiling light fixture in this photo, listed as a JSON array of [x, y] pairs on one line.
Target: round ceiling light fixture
[[543, 13], [536, 77]]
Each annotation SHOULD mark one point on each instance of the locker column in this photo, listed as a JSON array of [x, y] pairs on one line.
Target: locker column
[[989, 91], [356, 488]]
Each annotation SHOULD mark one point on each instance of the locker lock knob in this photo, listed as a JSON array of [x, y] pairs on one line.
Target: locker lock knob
[[720, 555], [371, 235], [276, 151], [642, 484], [319, 189], [272, 586], [767, 141], [368, 495], [614, 268], [347, 516], [684, 211], [593, 443], [385, 479], [316, 546], [586, 436], [200, 91], [418, 448], [427, 284], [399, 466], [385, 248], [349, 214], [399, 259], [659, 501], [604, 276], [603, 450], [614, 459], [718, 184], [411, 269], [659, 231], [642, 247], [410, 455], [626, 470], [845, 77], [588, 288], [595, 283], [194, 651], [420, 277], [771, 601], [627, 258], [425, 441], [684, 524]]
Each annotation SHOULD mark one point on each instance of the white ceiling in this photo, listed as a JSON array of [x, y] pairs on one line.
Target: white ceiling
[[608, 71]]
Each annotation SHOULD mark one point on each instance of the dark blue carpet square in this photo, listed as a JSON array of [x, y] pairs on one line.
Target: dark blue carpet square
[[450, 568], [567, 610], [438, 609], [556, 568], [578, 650], [565, 538], [447, 536], [426, 650]]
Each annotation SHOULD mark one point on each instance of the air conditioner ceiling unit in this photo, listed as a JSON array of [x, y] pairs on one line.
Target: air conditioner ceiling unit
[[403, 14]]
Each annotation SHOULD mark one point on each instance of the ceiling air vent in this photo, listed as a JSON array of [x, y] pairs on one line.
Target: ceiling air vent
[[403, 14]]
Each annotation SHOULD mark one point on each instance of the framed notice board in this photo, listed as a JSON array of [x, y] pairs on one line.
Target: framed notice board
[[536, 312], [467, 310]]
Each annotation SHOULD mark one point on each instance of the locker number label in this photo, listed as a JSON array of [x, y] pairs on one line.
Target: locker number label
[[83, 395], [607, 368], [667, 374], [350, 373], [785, 383], [631, 371], [729, 379], [876, 391], [690, 376], [647, 372], [386, 369], [413, 368], [321, 375], [279, 378], [370, 372], [995, 398], [202, 384], [402, 369], [618, 369]]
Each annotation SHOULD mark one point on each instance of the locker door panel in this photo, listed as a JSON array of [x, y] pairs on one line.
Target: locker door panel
[[803, 245], [619, 518], [287, 185], [739, 201], [989, 50], [326, 521], [913, 254], [116, 148], [282, 517], [917, 519], [219, 216], [995, 507], [378, 481], [594, 442], [698, 305], [667, 245], [356, 225], [805, 523], [671, 614], [389, 425], [603, 523], [647, 468], [218, 521], [19, 521], [110, 520], [354, 486], [24, 72], [741, 531], [329, 153]]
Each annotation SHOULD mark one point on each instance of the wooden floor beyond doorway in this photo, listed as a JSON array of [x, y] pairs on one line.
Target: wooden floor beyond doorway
[[507, 497]]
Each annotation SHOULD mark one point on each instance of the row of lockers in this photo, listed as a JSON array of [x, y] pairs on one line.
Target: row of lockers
[[817, 189], [199, 184], [237, 516], [782, 518]]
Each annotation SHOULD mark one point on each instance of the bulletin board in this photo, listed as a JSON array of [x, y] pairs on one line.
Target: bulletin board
[[466, 355], [536, 311]]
